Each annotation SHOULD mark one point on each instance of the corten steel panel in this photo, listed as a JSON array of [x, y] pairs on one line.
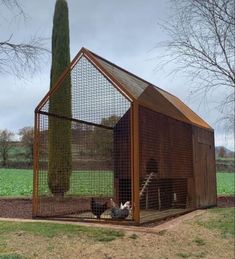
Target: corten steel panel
[[122, 158], [154, 100], [185, 110], [167, 141], [135, 159], [35, 166], [97, 107], [204, 167], [166, 160]]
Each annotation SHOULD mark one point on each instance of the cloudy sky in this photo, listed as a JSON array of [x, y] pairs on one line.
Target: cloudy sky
[[124, 32]]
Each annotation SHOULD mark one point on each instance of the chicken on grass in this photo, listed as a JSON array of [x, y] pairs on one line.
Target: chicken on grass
[[97, 208], [122, 212]]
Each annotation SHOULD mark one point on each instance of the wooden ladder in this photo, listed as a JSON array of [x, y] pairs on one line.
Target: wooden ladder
[[146, 183]]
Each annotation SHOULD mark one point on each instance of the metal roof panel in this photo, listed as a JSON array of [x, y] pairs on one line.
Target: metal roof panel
[[149, 95]]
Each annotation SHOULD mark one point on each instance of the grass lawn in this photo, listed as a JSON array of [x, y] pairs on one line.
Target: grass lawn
[[207, 235], [225, 183], [47, 233], [222, 219], [50, 230]]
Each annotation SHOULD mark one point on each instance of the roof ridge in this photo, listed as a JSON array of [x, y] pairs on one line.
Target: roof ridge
[[178, 104], [128, 72]]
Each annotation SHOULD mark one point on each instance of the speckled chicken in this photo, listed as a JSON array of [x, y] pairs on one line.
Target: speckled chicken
[[122, 212]]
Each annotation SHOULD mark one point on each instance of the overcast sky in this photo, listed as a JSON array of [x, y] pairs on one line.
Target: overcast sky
[[124, 32]]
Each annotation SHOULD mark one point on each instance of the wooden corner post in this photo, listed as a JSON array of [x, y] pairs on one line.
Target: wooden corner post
[[35, 165], [135, 161]]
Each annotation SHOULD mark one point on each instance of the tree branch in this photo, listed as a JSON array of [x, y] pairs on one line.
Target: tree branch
[[201, 42]]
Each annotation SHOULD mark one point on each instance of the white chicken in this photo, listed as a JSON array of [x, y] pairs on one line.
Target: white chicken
[[122, 206]]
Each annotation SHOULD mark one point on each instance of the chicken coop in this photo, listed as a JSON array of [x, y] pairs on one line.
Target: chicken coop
[[120, 140]]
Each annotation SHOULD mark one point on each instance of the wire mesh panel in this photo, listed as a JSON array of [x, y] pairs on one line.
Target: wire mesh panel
[[84, 149], [166, 167]]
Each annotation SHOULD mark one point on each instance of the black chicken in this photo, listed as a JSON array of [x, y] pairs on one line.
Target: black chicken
[[97, 208]]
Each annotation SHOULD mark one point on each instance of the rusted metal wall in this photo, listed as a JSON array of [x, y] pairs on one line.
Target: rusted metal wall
[[168, 142], [122, 158], [204, 167], [165, 150]]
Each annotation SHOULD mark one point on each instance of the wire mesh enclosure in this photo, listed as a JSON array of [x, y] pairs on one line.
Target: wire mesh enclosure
[[69, 177], [110, 146]]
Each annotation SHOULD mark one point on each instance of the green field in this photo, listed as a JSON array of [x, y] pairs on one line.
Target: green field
[[18, 182], [225, 183]]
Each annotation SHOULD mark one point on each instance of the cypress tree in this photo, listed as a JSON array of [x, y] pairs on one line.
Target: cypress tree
[[60, 158]]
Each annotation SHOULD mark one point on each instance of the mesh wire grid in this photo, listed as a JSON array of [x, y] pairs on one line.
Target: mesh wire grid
[[79, 148]]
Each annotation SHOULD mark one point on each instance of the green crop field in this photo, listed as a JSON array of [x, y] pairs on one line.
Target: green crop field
[[18, 182], [86, 183], [225, 183]]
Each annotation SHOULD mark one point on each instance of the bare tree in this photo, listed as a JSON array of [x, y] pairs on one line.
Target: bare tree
[[14, 5], [19, 57], [202, 42], [6, 138], [27, 140]]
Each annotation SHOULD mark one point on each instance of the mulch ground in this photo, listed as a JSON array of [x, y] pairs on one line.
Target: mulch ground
[[226, 201], [16, 208], [22, 207]]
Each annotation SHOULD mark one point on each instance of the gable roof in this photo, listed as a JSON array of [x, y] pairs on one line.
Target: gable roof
[[133, 88], [147, 94]]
